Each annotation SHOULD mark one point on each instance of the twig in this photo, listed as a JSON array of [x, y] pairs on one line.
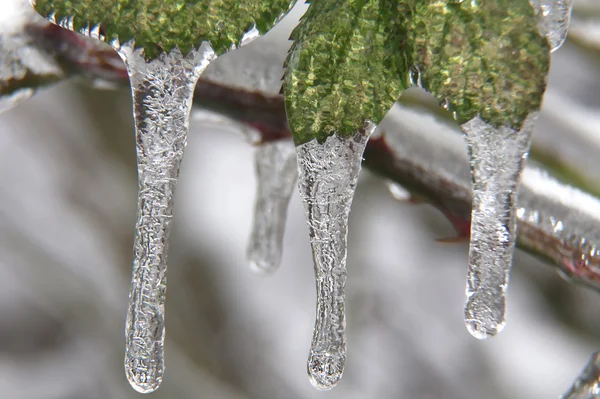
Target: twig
[[557, 222]]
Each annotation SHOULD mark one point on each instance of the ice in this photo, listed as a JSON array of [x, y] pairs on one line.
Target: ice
[[250, 36], [162, 92], [554, 22], [276, 172], [22, 65], [397, 191], [328, 173], [497, 157], [587, 384]]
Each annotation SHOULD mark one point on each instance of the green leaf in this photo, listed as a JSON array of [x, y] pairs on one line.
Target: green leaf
[[160, 25], [351, 60], [343, 68], [484, 57]]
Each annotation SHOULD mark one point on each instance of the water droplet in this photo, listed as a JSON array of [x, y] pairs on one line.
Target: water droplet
[[328, 174], [587, 384], [497, 161], [162, 95], [415, 76], [276, 172]]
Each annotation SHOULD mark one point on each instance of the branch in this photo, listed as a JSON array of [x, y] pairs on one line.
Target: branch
[[417, 150]]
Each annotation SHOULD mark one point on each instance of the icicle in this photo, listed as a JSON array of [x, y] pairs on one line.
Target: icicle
[[554, 23], [328, 173], [162, 96], [587, 384], [276, 172], [496, 175]]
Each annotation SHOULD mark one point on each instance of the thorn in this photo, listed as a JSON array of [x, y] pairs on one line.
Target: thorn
[[462, 227]]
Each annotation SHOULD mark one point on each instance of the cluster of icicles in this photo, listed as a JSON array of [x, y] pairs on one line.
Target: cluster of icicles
[[327, 174]]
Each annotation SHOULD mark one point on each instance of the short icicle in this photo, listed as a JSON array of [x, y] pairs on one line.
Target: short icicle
[[496, 176], [276, 172], [587, 384], [328, 173], [162, 98], [555, 16]]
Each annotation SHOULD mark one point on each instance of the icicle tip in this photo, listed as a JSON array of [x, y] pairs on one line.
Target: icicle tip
[[485, 315], [325, 370], [261, 266], [141, 380]]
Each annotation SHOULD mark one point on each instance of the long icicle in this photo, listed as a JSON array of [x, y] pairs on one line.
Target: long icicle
[[276, 174], [162, 97], [327, 177], [497, 160]]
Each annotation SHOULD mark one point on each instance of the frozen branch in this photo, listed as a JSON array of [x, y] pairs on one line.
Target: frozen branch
[[416, 149]]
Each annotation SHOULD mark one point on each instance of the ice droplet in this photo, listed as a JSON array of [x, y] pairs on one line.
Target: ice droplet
[[587, 384], [162, 92], [276, 172], [554, 19], [497, 157], [397, 191], [328, 173]]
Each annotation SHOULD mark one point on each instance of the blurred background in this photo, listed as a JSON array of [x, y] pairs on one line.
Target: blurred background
[[67, 212]]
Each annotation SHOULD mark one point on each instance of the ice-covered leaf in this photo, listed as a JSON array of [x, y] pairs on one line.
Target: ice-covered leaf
[[351, 60], [161, 25], [166, 44], [343, 68], [485, 61], [484, 58]]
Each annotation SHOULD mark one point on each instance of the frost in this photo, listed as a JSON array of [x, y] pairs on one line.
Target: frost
[[497, 161], [328, 173], [554, 23], [162, 95], [587, 384], [276, 172]]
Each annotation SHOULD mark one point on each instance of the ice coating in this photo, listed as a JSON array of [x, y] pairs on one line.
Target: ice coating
[[23, 60], [554, 23], [587, 384], [276, 172], [327, 177], [162, 96], [497, 158], [250, 36]]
